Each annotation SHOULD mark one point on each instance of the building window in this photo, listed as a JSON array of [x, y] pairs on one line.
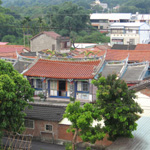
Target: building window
[[132, 41], [48, 127], [38, 84], [29, 123], [53, 47], [83, 86], [101, 27], [53, 84]]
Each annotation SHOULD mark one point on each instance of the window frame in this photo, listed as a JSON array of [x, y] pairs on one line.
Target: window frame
[[83, 84], [37, 84], [51, 127], [28, 126], [80, 88]]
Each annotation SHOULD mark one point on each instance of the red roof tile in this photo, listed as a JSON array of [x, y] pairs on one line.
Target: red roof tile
[[134, 55], [63, 69], [10, 48], [3, 43], [142, 47]]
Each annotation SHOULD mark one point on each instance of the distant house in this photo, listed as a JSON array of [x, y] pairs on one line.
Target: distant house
[[103, 21], [49, 40], [129, 33]]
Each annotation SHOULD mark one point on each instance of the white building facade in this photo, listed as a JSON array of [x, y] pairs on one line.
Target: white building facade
[[129, 33]]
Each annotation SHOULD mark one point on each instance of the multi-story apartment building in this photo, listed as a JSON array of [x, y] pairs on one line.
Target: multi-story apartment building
[[103, 21], [129, 33]]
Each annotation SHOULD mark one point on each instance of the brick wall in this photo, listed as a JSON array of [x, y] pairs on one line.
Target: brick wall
[[39, 131], [58, 134], [63, 135]]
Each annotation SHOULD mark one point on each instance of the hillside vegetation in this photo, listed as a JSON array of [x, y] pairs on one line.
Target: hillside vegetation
[[35, 8]]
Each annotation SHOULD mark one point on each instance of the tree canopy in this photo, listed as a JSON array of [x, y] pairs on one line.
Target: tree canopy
[[82, 118], [15, 92], [117, 105], [69, 17]]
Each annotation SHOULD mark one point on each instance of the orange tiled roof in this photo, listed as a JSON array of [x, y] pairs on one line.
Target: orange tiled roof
[[63, 69], [134, 55], [3, 43], [10, 50], [142, 47]]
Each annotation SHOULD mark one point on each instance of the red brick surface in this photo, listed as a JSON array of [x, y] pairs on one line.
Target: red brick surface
[[59, 132]]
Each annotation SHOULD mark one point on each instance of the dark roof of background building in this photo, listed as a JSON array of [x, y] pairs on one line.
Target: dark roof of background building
[[31, 53], [134, 73], [20, 66], [112, 68], [45, 112], [123, 47]]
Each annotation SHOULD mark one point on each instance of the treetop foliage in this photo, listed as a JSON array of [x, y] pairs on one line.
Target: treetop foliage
[[15, 92], [82, 119], [117, 106]]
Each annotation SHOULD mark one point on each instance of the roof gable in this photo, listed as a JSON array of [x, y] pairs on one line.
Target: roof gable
[[52, 34]]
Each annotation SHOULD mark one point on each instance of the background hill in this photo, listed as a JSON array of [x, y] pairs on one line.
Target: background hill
[[36, 8]]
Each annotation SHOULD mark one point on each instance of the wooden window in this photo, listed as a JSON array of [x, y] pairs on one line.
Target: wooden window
[[85, 86], [53, 87], [79, 86], [53, 84], [29, 123], [38, 84], [48, 127]]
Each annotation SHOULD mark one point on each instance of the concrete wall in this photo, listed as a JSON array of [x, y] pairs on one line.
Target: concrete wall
[[126, 37], [42, 42], [144, 34]]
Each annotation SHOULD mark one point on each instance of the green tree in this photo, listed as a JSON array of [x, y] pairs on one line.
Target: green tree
[[117, 105], [94, 37], [82, 119], [69, 17], [97, 9], [15, 92], [9, 38]]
